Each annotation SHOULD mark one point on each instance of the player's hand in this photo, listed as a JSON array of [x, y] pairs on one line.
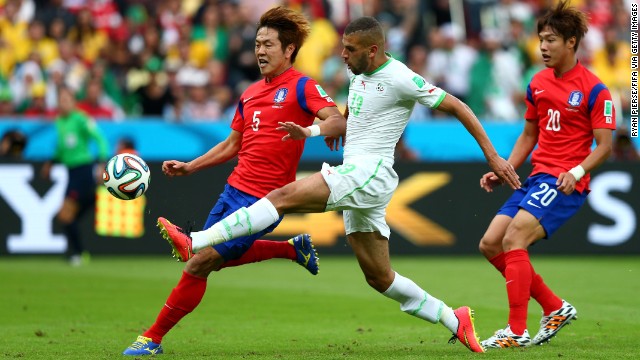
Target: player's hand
[[295, 131], [566, 183], [175, 168], [505, 171], [333, 143], [490, 180]]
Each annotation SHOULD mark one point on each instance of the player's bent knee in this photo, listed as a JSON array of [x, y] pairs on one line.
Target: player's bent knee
[[489, 248], [204, 262], [281, 198], [513, 242], [380, 283]]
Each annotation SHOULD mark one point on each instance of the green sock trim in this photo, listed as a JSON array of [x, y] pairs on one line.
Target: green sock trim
[[246, 215], [227, 228], [424, 301], [440, 311]]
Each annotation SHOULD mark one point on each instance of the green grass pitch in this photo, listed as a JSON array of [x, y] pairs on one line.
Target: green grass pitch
[[276, 310]]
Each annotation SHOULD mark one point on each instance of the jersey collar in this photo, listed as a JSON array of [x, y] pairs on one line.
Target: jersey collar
[[381, 66], [571, 73], [279, 76]]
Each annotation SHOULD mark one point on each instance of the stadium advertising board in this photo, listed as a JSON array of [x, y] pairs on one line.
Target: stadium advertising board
[[437, 209]]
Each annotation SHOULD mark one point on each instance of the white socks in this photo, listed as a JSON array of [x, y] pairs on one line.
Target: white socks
[[417, 302], [244, 221]]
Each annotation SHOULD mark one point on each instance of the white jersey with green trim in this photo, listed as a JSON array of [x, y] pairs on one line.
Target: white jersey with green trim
[[380, 104]]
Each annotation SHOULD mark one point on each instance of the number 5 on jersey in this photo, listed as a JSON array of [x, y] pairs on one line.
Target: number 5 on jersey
[[256, 121]]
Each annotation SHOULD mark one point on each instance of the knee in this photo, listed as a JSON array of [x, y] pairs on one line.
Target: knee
[[278, 198], [490, 247], [204, 262], [513, 241], [380, 282], [516, 238]]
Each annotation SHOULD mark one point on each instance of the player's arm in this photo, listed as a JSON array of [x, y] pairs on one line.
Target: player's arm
[[333, 143], [222, 152], [453, 106], [604, 140], [525, 143], [521, 150], [91, 127], [333, 124]]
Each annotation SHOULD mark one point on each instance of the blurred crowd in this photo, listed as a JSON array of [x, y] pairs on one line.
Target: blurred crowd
[[189, 60]]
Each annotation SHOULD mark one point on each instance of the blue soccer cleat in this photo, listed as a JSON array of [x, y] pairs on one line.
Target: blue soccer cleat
[[306, 253], [143, 346]]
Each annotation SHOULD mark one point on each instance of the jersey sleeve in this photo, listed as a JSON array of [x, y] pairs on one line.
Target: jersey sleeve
[[601, 110], [94, 132], [414, 87], [315, 96], [532, 112], [237, 123]]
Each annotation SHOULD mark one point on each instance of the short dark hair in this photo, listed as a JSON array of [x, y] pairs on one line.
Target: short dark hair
[[292, 26], [566, 21], [370, 29]]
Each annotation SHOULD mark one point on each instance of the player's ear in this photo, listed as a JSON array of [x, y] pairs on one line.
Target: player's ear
[[288, 51], [571, 43], [373, 50]]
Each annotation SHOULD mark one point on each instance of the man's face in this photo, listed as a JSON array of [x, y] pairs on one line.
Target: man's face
[[354, 55], [554, 48], [66, 101], [272, 60]]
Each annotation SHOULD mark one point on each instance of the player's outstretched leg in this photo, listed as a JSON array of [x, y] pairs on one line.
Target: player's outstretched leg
[[306, 252], [505, 338], [552, 323], [143, 346], [179, 239], [466, 333]]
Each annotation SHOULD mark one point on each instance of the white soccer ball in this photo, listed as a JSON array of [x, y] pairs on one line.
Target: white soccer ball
[[126, 176]]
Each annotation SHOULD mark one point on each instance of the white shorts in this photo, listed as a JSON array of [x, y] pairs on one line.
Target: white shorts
[[361, 187]]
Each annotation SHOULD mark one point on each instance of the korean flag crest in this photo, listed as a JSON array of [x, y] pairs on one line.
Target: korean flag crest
[[575, 98]]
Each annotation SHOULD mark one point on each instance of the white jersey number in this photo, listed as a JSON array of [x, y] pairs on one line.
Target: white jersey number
[[554, 120], [256, 120]]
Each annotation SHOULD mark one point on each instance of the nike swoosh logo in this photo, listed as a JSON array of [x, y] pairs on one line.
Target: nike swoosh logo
[[249, 98], [532, 204], [509, 282], [306, 257], [539, 92]]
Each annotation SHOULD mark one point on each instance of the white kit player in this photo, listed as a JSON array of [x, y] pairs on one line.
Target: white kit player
[[382, 94]]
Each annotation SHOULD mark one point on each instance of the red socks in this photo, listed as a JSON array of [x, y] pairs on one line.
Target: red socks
[[186, 296], [264, 250], [543, 295], [519, 275], [182, 300], [539, 290]]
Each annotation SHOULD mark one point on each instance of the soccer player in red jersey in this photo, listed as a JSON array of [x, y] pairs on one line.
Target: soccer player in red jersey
[[267, 159], [567, 107]]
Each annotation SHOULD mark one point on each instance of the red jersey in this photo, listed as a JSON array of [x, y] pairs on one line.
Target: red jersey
[[265, 162], [567, 110]]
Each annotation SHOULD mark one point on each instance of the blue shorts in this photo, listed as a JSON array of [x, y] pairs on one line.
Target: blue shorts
[[229, 201], [540, 197]]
